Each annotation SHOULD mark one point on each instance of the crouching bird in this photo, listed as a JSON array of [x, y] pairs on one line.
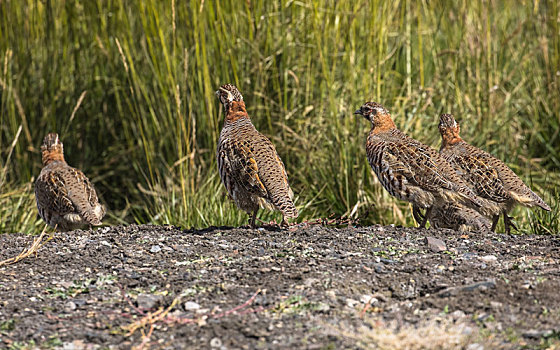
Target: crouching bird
[[410, 170], [492, 180], [249, 165], [65, 197]]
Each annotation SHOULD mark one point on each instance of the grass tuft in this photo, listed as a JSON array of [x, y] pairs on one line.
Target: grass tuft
[[130, 88]]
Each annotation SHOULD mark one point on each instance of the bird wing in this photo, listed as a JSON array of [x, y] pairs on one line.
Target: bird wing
[[239, 165], [274, 176], [418, 164], [479, 171], [82, 194], [51, 193], [512, 185]]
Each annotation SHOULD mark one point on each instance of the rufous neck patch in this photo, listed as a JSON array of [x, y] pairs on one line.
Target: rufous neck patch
[[450, 136], [383, 123], [52, 156], [236, 111]]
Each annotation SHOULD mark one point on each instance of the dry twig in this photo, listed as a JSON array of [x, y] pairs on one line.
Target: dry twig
[[35, 246]]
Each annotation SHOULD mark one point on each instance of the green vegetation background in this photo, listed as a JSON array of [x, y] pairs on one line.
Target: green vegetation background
[[129, 86]]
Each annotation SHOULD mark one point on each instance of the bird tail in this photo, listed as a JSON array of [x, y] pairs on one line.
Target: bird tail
[[541, 203], [93, 216], [290, 210]]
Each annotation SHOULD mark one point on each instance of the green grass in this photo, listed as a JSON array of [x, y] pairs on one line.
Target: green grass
[[130, 89]]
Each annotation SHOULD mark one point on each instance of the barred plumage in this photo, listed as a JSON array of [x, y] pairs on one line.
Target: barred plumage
[[65, 197], [491, 178], [410, 170], [249, 166], [459, 218]]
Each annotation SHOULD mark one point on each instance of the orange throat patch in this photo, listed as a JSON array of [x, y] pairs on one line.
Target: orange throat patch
[[450, 137], [383, 123], [236, 111], [52, 156]]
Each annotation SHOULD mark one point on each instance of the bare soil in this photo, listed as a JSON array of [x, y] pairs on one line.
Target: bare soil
[[310, 287]]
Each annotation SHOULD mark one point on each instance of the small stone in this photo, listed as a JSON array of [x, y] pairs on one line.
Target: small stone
[[367, 298], [148, 301], [351, 302], [475, 346], [75, 345], [489, 258], [331, 294], [479, 285], [387, 261], [79, 302], [215, 343], [191, 306], [495, 304], [436, 245], [536, 334], [482, 317], [379, 268], [467, 288], [457, 314], [155, 249], [467, 330], [322, 307], [70, 306]]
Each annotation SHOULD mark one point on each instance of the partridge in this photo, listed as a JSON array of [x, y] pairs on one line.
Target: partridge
[[459, 218], [65, 197], [410, 170], [492, 180], [249, 166]]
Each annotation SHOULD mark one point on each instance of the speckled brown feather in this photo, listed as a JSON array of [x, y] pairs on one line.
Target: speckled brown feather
[[491, 178], [248, 163], [459, 218], [408, 169], [65, 197]]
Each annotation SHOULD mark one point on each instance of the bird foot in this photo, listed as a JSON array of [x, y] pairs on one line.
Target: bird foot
[[509, 224]]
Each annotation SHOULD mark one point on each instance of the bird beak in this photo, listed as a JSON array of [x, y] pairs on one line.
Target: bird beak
[[217, 93], [359, 111]]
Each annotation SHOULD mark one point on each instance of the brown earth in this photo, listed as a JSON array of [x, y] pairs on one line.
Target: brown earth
[[309, 287]]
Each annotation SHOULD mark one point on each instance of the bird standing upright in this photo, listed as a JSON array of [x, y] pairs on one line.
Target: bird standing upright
[[249, 166], [65, 197], [410, 170], [490, 178]]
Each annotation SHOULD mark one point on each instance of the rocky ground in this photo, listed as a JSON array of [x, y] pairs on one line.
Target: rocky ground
[[309, 287]]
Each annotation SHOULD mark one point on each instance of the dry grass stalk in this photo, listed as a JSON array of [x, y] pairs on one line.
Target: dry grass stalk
[[35, 246]]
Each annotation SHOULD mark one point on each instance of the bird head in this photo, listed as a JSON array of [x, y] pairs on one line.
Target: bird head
[[374, 112], [52, 148], [449, 129], [227, 94]]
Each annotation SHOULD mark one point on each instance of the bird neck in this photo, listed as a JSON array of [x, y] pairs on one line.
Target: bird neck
[[52, 156], [383, 123], [236, 111], [450, 137]]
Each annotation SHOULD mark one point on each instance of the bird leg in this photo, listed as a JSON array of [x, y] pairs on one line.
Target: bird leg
[[425, 219], [417, 214], [284, 222], [494, 222], [508, 223], [253, 218]]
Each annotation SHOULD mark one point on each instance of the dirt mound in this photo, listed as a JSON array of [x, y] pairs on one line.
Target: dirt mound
[[306, 287]]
